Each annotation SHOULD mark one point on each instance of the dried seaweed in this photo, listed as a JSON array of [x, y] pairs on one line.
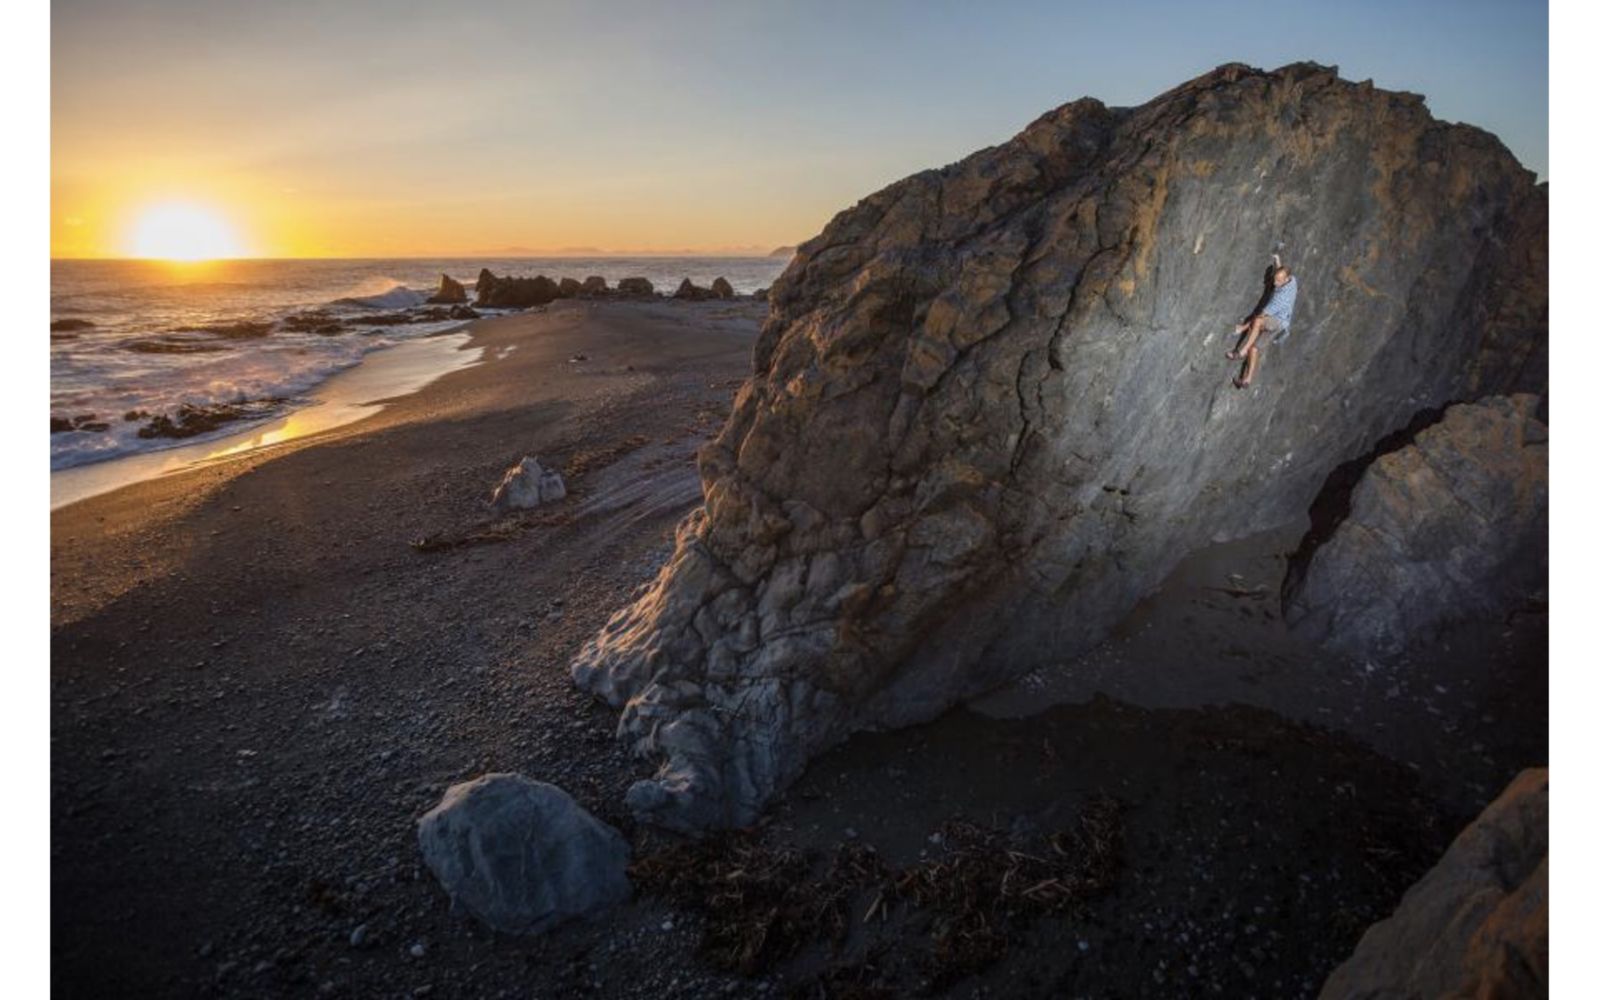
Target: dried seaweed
[[502, 530], [981, 887], [764, 902], [593, 458]]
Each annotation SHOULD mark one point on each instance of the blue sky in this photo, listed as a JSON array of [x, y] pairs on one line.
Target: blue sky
[[660, 125]]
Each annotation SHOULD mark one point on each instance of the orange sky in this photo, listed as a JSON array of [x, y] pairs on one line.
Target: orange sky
[[363, 130], [412, 128]]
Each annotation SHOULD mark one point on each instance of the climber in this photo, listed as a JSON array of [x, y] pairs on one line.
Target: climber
[[1273, 317]]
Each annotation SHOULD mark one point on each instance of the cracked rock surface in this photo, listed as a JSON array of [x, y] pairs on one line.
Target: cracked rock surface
[[990, 409]]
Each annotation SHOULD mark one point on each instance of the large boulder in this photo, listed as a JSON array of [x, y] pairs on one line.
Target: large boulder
[[515, 293], [721, 288], [635, 288], [1452, 527], [1478, 923], [451, 292], [525, 485], [990, 408], [521, 855], [594, 286], [568, 288]]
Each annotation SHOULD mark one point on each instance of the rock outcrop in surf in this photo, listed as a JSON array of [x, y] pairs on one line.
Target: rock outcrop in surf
[[989, 408], [451, 292], [515, 293]]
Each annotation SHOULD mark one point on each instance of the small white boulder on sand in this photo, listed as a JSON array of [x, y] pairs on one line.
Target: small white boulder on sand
[[521, 855], [527, 484]]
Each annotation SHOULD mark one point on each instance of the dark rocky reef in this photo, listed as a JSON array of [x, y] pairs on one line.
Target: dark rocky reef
[[1453, 526], [80, 422], [70, 325], [692, 292], [243, 330], [520, 293], [400, 318], [990, 410], [318, 321], [172, 345], [515, 293], [720, 289], [191, 420]]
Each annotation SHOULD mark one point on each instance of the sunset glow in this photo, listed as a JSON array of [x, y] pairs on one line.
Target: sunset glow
[[593, 146], [182, 231]]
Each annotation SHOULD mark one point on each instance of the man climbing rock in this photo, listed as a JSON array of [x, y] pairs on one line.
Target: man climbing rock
[[1273, 317]]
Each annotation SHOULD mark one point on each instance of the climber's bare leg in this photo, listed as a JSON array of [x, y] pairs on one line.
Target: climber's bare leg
[[1252, 358], [1251, 330]]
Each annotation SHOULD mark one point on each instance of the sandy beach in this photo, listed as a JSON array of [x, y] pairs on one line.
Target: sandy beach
[[265, 669]]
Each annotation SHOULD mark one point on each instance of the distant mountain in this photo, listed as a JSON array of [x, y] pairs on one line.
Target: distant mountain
[[782, 252]]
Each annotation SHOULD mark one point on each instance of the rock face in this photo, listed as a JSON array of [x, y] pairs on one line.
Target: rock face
[[527, 484], [990, 409], [1478, 924], [515, 293], [521, 855], [1451, 527], [451, 292]]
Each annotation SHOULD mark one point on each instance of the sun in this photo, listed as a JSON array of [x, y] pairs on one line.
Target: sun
[[182, 230]]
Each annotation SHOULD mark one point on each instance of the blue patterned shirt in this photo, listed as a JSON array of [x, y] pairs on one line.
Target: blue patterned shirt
[[1281, 305]]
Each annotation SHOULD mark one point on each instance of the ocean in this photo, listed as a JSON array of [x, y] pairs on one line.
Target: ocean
[[133, 342]]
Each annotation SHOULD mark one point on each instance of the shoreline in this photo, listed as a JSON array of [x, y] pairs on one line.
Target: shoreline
[[345, 396]]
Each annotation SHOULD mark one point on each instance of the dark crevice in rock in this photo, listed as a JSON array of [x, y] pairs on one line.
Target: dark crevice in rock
[[1449, 528], [1332, 504]]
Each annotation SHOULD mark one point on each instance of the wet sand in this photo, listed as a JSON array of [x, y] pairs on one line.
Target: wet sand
[[259, 682]]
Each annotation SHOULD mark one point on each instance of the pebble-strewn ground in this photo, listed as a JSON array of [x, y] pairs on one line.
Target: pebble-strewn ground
[[258, 684]]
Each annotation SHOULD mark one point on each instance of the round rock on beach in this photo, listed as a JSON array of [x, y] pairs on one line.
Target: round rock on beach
[[521, 855]]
